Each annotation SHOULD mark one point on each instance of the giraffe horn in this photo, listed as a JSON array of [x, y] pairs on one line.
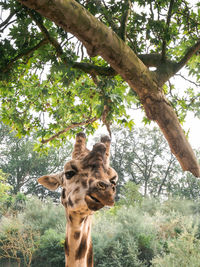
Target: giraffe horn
[[106, 141], [79, 146]]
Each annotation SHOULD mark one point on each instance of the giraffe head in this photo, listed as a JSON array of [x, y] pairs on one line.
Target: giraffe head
[[88, 182]]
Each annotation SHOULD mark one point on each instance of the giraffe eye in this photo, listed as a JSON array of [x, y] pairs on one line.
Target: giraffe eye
[[69, 174]]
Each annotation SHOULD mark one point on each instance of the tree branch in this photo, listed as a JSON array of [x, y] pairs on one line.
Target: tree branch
[[72, 126], [169, 68], [85, 67], [190, 52], [169, 15], [124, 20], [26, 52], [166, 174], [183, 77], [7, 20], [101, 40]]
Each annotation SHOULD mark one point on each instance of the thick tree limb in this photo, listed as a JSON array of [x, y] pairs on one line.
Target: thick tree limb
[[99, 39], [86, 67], [169, 68]]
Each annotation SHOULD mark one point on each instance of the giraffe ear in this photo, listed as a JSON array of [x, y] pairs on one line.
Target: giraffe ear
[[51, 181]]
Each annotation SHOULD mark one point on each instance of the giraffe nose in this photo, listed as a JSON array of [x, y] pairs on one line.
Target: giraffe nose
[[102, 185]]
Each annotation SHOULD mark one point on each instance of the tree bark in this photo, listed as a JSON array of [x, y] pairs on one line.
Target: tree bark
[[100, 40]]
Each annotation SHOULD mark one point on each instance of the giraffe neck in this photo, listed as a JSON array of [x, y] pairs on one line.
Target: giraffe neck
[[78, 243]]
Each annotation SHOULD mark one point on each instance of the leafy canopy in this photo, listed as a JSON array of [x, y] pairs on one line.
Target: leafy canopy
[[49, 85]]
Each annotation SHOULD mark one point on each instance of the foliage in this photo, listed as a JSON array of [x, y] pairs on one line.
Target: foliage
[[150, 233], [23, 165], [42, 216], [49, 85], [4, 191], [130, 195], [4, 188], [17, 241], [50, 252], [142, 156], [183, 251], [20, 232]]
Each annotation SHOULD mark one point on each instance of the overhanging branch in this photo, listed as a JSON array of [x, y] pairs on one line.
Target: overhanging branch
[[101, 40], [85, 67], [69, 127], [26, 52], [190, 52], [169, 68]]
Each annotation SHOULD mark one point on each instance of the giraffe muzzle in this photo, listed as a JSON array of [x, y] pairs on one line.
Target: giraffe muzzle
[[102, 194]]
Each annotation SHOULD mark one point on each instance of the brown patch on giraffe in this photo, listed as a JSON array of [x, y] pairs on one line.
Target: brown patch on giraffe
[[70, 203], [80, 252], [66, 247], [84, 183], [77, 200], [70, 218], [63, 193], [85, 174], [91, 181], [77, 235], [65, 204], [76, 190], [90, 256], [81, 134], [74, 168]]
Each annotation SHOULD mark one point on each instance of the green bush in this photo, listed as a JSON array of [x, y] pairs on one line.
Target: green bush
[[44, 215], [51, 250], [125, 238], [183, 251], [144, 234]]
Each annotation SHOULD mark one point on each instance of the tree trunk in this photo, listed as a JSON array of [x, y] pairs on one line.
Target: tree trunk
[[100, 40]]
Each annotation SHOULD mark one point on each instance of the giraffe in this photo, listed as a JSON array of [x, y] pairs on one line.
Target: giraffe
[[88, 184]]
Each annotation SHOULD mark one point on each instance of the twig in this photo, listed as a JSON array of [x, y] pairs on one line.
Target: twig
[[169, 15], [72, 126], [196, 84]]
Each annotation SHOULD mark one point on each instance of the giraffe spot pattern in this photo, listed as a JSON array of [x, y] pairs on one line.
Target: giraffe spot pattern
[[77, 235], [66, 247], [77, 200], [80, 252], [70, 218], [76, 190], [84, 183], [90, 256], [64, 193], [70, 203]]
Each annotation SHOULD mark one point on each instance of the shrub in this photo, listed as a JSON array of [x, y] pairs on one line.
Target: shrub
[[51, 250], [183, 252], [44, 215]]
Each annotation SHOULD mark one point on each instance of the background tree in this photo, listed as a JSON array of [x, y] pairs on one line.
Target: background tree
[[18, 244], [143, 157], [23, 165], [83, 86]]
